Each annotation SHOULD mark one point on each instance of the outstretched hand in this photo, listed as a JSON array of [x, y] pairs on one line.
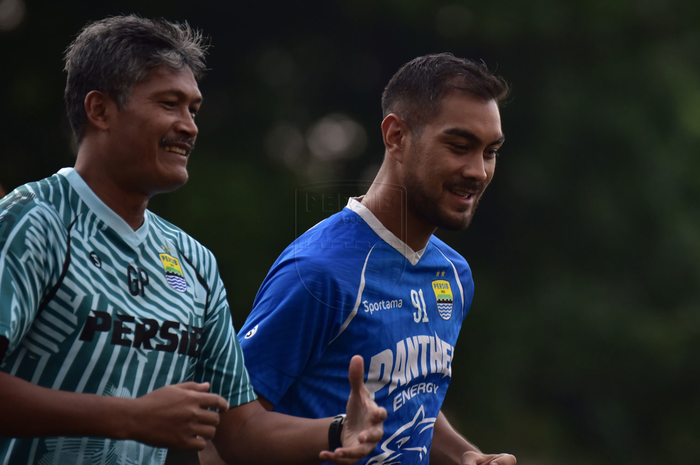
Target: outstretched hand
[[363, 427], [177, 416], [477, 458]]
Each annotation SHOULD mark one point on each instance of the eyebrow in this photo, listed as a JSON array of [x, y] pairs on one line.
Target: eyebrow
[[470, 136], [180, 94]]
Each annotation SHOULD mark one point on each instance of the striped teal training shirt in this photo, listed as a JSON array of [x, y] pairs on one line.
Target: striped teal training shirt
[[90, 305]]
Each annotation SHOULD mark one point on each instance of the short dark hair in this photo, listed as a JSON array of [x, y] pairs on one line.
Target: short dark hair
[[116, 53], [415, 91]]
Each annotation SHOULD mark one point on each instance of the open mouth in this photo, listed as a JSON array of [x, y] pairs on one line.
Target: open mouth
[[466, 195], [180, 146], [170, 148]]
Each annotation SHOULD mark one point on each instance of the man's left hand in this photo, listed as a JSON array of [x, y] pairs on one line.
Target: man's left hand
[[477, 458]]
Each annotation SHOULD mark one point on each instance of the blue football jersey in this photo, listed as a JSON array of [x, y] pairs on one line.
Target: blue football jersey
[[349, 286]]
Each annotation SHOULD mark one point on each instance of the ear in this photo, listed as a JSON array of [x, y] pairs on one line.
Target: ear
[[395, 134], [97, 109]]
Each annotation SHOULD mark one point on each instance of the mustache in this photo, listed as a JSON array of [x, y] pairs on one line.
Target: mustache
[[178, 140], [468, 185]]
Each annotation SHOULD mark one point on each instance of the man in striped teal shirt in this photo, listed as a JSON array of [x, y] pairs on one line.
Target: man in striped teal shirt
[[116, 339]]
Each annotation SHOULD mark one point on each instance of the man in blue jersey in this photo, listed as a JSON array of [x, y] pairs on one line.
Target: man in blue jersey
[[116, 339], [373, 280]]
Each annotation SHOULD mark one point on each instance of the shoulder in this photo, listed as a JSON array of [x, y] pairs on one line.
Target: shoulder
[[459, 262], [327, 259], [176, 234], [51, 193], [337, 245], [463, 273], [339, 236], [200, 257], [44, 204]]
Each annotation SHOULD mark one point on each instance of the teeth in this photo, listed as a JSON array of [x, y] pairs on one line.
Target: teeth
[[169, 148], [462, 194]]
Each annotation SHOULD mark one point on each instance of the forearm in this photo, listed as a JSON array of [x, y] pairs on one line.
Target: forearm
[[250, 434], [37, 411], [448, 445]]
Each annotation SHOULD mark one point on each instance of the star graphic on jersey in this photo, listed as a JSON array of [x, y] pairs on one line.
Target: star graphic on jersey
[[167, 249], [443, 274], [437, 274]]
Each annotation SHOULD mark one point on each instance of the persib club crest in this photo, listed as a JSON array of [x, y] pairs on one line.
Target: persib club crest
[[443, 295], [173, 272]]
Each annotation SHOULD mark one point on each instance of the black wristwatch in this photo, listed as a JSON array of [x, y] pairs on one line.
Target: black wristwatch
[[335, 431]]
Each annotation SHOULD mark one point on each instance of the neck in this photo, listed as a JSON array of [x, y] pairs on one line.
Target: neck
[[129, 205], [387, 201]]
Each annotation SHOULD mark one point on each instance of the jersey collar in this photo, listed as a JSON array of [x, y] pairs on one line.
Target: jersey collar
[[381, 231], [103, 212]]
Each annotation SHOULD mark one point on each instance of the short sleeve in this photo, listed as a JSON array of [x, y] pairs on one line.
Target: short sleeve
[[297, 312], [465, 276], [32, 251], [221, 358]]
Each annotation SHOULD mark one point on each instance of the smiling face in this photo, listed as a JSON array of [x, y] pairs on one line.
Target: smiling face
[[151, 138], [452, 161]]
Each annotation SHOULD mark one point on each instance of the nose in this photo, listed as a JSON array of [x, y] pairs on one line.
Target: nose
[[476, 167], [186, 125]]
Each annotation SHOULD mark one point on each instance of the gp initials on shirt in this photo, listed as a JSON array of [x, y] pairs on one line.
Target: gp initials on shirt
[[186, 341]]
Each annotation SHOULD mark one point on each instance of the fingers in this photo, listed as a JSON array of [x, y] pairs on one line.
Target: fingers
[[207, 417], [499, 459], [505, 459], [204, 431], [335, 457], [379, 415], [470, 458], [346, 455], [372, 435], [207, 400], [367, 441], [213, 401], [477, 458], [356, 373], [181, 415], [192, 386], [198, 432], [196, 437], [375, 432], [195, 442]]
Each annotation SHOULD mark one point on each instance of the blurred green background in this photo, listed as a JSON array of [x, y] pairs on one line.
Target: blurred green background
[[582, 343]]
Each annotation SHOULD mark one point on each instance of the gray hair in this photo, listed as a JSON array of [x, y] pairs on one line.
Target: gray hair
[[116, 53], [415, 92]]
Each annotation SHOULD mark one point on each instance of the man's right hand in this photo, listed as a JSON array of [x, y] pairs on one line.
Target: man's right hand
[[177, 416], [363, 427], [172, 416]]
